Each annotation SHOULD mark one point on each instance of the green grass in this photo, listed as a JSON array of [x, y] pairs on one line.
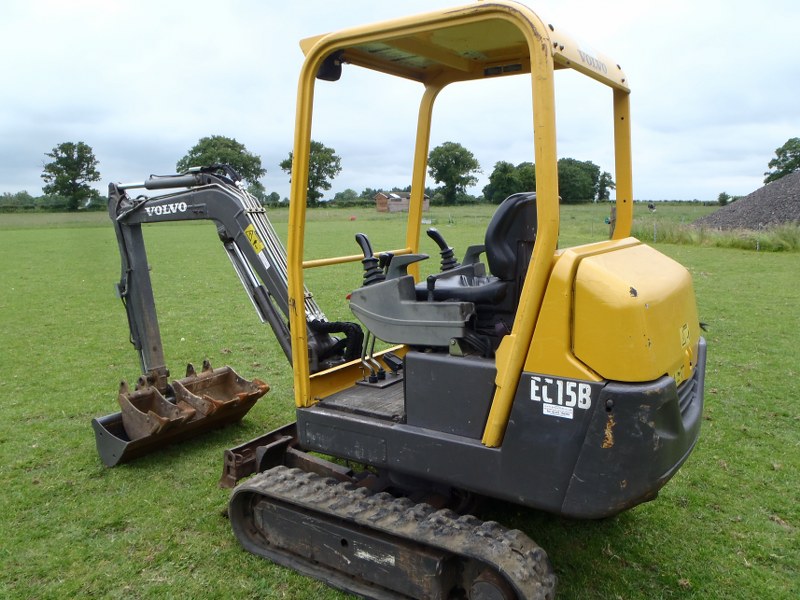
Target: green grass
[[725, 527]]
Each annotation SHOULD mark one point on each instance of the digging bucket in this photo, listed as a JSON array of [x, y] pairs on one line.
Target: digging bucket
[[149, 420]]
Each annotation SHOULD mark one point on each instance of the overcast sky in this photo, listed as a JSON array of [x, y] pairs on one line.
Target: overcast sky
[[715, 90]]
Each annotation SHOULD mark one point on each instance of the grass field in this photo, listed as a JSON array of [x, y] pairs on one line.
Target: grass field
[[727, 526]]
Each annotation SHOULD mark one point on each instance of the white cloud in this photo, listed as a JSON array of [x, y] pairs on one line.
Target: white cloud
[[715, 88]]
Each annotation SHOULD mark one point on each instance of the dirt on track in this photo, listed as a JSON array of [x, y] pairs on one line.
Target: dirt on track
[[776, 203]]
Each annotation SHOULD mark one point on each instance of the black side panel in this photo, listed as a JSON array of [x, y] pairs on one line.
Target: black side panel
[[545, 434], [576, 448], [447, 393], [640, 437]]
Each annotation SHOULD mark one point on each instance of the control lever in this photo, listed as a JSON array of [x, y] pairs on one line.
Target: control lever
[[449, 261], [430, 286], [372, 270], [394, 362]]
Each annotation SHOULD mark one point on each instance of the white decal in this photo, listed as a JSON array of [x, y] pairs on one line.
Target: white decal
[[166, 209], [593, 62], [554, 410], [387, 560], [561, 393]]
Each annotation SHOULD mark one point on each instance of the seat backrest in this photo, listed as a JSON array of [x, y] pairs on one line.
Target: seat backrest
[[510, 235]]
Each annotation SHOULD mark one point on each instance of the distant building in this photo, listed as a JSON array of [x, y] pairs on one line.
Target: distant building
[[396, 201]]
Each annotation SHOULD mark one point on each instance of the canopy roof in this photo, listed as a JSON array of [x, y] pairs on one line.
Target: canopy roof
[[490, 39]]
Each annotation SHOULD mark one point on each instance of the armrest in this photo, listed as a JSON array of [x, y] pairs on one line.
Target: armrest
[[399, 265], [473, 253], [468, 269]]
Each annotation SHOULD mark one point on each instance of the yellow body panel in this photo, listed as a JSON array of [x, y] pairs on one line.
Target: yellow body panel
[[551, 347], [616, 310], [635, 316]]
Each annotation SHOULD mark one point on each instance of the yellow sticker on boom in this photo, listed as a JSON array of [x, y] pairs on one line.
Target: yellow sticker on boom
[[252, 237]]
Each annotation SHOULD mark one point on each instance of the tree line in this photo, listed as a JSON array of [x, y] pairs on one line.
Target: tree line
[[73, 167]]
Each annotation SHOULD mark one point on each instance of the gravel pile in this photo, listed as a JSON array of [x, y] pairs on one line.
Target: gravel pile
[[774, 204]]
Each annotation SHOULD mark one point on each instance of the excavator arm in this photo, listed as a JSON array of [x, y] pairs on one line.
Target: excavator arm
[[154, 412]]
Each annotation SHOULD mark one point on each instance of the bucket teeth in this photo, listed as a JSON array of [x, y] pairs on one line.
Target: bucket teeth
[[157, 414], [216, 389], [146, 412]]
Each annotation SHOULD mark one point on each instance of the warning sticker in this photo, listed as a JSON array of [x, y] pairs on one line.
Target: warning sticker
[[252, 237], [684, 335]]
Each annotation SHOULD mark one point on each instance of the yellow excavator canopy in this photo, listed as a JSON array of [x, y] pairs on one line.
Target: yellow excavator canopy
[[468, 50]]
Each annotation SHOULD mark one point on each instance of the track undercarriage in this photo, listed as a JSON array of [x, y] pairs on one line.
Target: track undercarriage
[[380, 546]]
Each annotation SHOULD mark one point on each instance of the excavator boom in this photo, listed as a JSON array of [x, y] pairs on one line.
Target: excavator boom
[[158, 412]]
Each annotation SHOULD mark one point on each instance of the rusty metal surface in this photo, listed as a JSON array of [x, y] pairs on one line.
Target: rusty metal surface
[[278, 447], [149, 420], [256, 455], [146, 412]]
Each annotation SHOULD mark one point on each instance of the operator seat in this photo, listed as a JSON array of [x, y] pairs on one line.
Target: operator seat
[[461, 302], [508, 246]]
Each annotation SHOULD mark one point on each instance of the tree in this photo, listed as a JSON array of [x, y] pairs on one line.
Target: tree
[[506, 179], [368, 195], [52, 203], [427, 191], [723, 198], [347, 197], [221, 150], [577, 180], [73, 167], [258, 191], [19, 201], [526, 177], [502, 182], [323, 166], [604, 186], [453, 166], [786, 161]]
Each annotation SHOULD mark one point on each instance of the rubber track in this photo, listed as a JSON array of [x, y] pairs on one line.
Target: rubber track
[[510, 552]]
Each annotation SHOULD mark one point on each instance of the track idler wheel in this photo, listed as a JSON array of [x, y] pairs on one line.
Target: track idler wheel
[[491, 586]]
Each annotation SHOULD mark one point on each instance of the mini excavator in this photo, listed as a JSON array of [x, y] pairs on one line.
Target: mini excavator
[[567, 380]]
